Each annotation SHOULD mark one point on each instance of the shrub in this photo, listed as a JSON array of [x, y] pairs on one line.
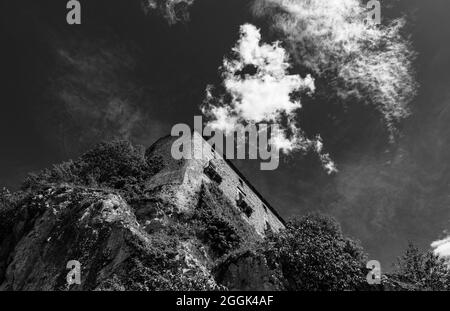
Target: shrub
[[117, 164], [219, 223], [158, 266], [109, 163], [8, 211], [424, 270], [312, 254]]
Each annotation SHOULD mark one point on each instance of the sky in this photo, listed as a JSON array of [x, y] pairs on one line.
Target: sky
[[131, 73]]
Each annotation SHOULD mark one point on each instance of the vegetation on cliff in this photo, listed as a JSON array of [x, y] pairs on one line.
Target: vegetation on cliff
[[313, 254], [96, 210], [423, 269]]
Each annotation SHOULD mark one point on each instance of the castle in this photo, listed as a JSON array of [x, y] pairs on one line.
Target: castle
[[181, 179]]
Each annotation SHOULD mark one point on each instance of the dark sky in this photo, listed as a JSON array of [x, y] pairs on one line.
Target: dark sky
[[123, 74]]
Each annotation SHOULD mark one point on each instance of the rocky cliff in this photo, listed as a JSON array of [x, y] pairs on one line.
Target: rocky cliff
[[97, 211], [103, 211]]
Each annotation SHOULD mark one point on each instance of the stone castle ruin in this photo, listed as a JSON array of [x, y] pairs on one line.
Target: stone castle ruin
[[179, 232], [180, 180]]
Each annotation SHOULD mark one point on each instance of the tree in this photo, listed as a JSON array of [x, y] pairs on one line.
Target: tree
[[117, 164], [5, 195], [312, 254], [425, 270]]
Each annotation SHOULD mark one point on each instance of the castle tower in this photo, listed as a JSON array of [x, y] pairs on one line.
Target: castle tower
[[180, 180]]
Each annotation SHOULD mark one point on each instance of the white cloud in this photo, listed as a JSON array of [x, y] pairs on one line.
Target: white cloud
[[223, 121], [174, 11], [356, 63], [442, 247], [262, 95], [330, 39], [265, 95], [325, 158]]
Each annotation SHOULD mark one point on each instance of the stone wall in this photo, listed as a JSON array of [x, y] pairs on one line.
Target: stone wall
[[184, 178], [167, 184]]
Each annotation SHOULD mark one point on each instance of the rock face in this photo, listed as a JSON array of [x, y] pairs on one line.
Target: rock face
[[103, 233], [134, 220]]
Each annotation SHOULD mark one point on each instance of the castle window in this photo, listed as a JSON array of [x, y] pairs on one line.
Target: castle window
[[241, 195], [241, 192], [211, 171], [240, 188], [241, 202], [268, 228]]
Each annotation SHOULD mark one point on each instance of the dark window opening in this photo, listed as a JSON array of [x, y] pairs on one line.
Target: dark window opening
[[243, 205], [268, 228], [241, 195], [211, 171]]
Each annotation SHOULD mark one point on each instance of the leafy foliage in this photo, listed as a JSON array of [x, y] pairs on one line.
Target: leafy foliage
[[312, 254], [219, 224], [8, 210], [425, 270], [117, 164], [158, 266]]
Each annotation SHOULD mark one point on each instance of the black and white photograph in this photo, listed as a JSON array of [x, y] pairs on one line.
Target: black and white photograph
[[236, 148]]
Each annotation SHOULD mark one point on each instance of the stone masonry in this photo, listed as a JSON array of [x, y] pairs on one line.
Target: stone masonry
[[180, 181]]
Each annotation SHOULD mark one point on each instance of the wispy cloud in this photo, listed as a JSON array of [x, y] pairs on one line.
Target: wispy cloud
[[173, 11], [258, 88], [330, 40], [355, 63]]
